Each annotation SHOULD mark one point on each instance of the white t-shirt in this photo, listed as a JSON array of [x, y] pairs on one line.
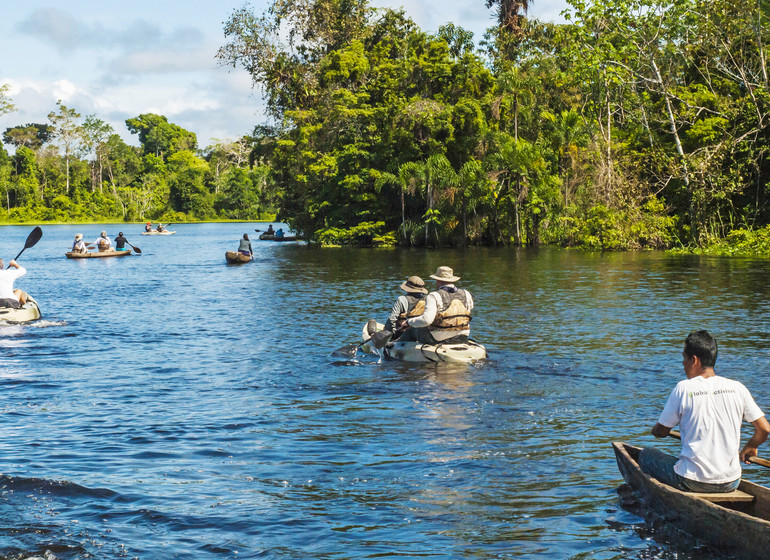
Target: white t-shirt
[[709, 412], [7, 278]]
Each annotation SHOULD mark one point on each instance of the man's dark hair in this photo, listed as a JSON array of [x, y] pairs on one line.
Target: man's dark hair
[[703, 345]]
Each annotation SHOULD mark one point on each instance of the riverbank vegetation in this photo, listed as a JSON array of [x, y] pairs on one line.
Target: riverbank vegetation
[[636, 124]]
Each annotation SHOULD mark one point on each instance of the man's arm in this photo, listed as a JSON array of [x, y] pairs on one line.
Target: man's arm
[[426, 319], [761, 431], [660, 431]]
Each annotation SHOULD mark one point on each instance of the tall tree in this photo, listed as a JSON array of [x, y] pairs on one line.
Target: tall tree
[[31, 135], [6, 105], [509, 13], [160, 137], [69, 134]]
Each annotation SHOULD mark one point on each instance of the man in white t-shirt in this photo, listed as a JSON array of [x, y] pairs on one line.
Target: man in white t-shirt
[[709, 410], [8, 296]]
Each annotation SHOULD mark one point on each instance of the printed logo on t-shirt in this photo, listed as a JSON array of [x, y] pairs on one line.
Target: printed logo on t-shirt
[[717, 392]]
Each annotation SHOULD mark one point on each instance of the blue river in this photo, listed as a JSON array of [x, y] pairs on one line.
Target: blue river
[[169, 405]]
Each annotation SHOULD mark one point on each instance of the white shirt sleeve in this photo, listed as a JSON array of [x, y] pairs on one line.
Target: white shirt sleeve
[[672, 412], [751, 411]]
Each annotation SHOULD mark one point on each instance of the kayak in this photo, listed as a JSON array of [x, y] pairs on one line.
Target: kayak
[[98, 254], [158, 232], [270, 237], [234, 257], [738, 520], [468, 352], [28, 312]]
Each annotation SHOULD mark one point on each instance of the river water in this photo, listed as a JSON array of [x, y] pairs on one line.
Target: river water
[[171, 406]]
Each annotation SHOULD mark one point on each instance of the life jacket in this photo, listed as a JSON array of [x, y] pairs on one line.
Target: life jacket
[[453, 316], [103, 243], [415, 308]]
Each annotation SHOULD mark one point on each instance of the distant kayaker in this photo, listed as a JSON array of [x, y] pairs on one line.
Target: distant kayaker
[[270, 230], [161, 227], [10, 297], [406, 306], [709, 410], [279, 233], [148, 227], [103, 243], [120, 242], [245, 246], [79, 246], [447, 314]]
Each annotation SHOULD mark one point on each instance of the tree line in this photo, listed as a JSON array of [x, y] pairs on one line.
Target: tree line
[[78, 169], [635, 124]]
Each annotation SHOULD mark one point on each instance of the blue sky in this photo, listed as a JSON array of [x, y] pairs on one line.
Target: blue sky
[[120, 59]]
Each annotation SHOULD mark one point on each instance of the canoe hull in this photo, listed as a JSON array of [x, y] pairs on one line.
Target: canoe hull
[[97, 254], [30, 312], [427, 353], [233, 257], [743, 527], [158, 232], [268, 237]]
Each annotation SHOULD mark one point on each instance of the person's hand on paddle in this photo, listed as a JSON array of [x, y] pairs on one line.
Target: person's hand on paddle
[[13, 264], [746, 453]]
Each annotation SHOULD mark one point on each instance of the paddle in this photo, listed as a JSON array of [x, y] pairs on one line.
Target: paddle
[[32, 240], [756, 460], [379, 339], [137, 250]]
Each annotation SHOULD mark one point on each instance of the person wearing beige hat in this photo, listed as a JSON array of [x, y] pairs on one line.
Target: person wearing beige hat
[[79, 246], [447, 313], [410, 305], [103, 243]]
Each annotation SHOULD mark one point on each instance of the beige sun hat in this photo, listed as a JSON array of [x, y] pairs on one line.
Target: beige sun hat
[[445, 274], [78, 236], [414, 285]]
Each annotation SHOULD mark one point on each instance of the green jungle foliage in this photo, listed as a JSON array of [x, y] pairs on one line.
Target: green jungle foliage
[[637, 124], [74, 169]]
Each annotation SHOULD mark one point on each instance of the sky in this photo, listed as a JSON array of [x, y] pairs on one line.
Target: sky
[[117, 60]]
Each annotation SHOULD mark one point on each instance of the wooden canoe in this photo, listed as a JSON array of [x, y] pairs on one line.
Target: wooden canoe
[[98, 254], [234, 257], [739, 521], [269, 237]]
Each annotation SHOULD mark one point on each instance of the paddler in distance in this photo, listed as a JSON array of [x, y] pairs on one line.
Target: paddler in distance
[[79, 246], [447, 314]]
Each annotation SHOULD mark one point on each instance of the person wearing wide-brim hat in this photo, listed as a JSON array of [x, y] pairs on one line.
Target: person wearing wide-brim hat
[[447, 313], [79, 246], [410, 305]]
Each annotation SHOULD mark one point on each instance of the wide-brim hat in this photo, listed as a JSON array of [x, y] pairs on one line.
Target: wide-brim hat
[[78, 236], [414, 285], [445, 274]]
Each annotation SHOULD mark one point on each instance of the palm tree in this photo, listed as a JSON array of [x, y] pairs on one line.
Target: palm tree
[[508, 16]]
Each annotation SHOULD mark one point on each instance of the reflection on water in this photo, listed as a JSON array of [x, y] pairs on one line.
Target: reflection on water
[[170, 405]]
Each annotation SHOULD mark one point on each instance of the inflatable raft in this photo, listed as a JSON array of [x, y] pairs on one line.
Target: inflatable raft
[[29, 312], [468, 352]]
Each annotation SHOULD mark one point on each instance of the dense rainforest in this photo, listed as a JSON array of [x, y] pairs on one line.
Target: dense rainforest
[[635, 124]]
